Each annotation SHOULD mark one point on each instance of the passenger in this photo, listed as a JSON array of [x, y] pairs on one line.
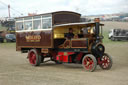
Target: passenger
[[81, 35], [70, 34]]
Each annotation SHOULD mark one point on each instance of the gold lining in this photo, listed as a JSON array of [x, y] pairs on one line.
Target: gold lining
[[79, 39]]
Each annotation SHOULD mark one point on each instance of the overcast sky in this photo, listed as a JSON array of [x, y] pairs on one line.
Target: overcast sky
[[85, 7]]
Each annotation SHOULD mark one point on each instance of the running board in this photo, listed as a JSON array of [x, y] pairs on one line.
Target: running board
[[47, 61]]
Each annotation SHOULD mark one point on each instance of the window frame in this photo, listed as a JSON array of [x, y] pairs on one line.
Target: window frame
[[32, 29], [18, 21], [34, 19], [47, 17], [25, 25]]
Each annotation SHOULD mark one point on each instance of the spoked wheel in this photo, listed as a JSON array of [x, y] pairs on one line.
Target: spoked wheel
[[89, 62], [106, 62], [34, 57]]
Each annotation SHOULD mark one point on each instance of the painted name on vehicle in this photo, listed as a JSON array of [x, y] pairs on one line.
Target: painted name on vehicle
[[33, 38]]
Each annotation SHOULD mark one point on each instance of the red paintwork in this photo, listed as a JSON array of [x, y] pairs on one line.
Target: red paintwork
[[79, 56], [68, 53], [104, 61], [99, 61], [70, 59], [88, 63], [32, 58], [64, 56]]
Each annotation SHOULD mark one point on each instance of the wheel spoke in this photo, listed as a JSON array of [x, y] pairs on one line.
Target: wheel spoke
[[85, 61], [88, 63], [91, 66], [106, 62], [104, 65], [32, 58], [91, 61]]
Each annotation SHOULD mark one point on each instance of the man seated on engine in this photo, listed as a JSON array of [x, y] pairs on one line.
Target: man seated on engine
[[70, 34], [81, 35]]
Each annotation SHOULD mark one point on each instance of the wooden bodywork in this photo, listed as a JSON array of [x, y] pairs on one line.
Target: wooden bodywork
[[43, 38], [37, 39], [54, 37]]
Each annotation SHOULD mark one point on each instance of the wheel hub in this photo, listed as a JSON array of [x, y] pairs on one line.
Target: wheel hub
[[88, 63], [32, 58]]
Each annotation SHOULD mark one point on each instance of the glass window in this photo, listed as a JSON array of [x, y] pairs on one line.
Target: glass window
[[28, 25], [20, 19], [36, 17], [92, 30], [28, 18], [37, 24], [47, 22], [19, 26]]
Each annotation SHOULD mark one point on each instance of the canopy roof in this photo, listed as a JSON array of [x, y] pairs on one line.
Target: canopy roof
[[80, 24], [52, 13]]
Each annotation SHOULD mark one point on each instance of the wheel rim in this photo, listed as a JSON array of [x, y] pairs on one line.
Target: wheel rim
[[88, 63], [105, 61], [32, 58]]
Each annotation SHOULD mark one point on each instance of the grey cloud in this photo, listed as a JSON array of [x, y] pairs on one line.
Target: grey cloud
[[3, 7], [88, 7]]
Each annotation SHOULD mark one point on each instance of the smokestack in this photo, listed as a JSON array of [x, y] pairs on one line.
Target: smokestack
[[9, 11], [97, 27]]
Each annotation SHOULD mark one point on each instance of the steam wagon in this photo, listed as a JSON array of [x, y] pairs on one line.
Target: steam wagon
[[63, 38]]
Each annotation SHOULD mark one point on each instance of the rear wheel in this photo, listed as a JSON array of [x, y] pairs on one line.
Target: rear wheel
[[89, 62], [106, 62], [34, 57]]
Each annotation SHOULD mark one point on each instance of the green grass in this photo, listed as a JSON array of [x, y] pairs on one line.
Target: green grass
[[108, 41]]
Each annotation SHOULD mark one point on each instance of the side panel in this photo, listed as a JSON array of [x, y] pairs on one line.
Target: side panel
[[79, 43], [34, 39]]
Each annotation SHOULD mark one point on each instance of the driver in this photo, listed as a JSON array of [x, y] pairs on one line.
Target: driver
[[81, 35], [70, 34]]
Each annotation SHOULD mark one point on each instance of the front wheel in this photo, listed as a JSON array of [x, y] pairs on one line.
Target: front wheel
[[89, 62], [112, 38], [106, 62], [34, 57]]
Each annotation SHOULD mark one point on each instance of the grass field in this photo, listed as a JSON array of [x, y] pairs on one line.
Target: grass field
[[113, 25]]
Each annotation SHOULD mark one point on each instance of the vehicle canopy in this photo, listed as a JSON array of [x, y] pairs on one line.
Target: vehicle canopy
[[46, 21], [60, 29]]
